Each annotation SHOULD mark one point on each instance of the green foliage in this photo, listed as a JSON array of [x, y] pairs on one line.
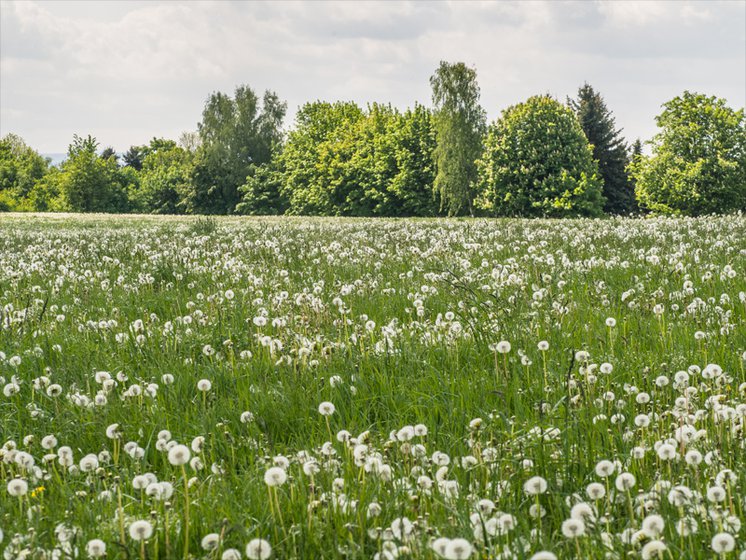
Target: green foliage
[[263, 193], [89, 183], [410, 188], [164, 179], [237, 134], [698, 164], [133, 157], [314, 154], [341, 160], [21, 168], [459, 124], [609, 149], [537, 162], [110, 153]]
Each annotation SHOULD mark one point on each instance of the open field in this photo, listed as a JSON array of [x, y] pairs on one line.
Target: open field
[[181, 387]]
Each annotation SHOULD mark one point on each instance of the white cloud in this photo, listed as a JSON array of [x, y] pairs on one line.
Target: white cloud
[[126, 71]]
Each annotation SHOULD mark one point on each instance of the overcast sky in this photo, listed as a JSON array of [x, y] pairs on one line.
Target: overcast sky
[[128, 71]]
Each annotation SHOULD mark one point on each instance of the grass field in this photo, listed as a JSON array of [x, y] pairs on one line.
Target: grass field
[[320, 388]]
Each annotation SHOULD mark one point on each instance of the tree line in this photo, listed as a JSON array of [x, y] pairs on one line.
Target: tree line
[[541, 157]]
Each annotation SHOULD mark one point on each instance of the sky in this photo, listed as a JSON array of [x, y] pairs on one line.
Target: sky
[[128, 71]]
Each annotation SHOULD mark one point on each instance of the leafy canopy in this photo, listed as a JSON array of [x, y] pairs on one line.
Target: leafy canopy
[[698, 161], [537, 162], [459, 127]]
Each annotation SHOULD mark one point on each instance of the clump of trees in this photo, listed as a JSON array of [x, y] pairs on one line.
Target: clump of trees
[[698, 164], [540, 158]]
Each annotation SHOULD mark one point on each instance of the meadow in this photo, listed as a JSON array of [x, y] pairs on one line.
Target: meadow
[[348, 388]]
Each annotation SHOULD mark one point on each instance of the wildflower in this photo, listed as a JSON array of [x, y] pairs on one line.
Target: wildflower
[[604, 468], [96, 548], [439, 545], [666, 452], [535, 485], [716, 494], [573, 528], [458, 549], [326, 408], [582, 511], [204, 385], [275, 476], [179, 455], [258, 549], [653, 550], [210, 541], [625, 481], [140, 530], [693, 457], [402, 527], [653, 525], [595, 491], [723, 542], [113, 432], [686, 526], [89, 463], [17, 487]]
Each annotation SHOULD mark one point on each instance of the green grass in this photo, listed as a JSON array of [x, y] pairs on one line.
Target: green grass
[[395, 322]]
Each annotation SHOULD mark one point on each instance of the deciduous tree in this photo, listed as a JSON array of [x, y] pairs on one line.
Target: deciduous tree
[[538, 162], [459, 126], [698, 161]]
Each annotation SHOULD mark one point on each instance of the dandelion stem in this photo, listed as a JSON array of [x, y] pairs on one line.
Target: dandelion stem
[[186, 513]]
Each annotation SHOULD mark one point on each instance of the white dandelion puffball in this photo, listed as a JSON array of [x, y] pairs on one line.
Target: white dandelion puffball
[[231, 554], [653, 525], [96, 548], [326, 408], [140, 530], [210, 541], [625, 481], [544, 555], [458, 549], [535, 485], [17, 487], [723, 542], [573, 528], [604, 468], [653, 550], [275, 476], [258, 549], [179, 455], [204, 385]]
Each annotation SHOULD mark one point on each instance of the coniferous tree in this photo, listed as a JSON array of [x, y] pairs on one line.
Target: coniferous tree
[[134, 157], [609, 149]]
